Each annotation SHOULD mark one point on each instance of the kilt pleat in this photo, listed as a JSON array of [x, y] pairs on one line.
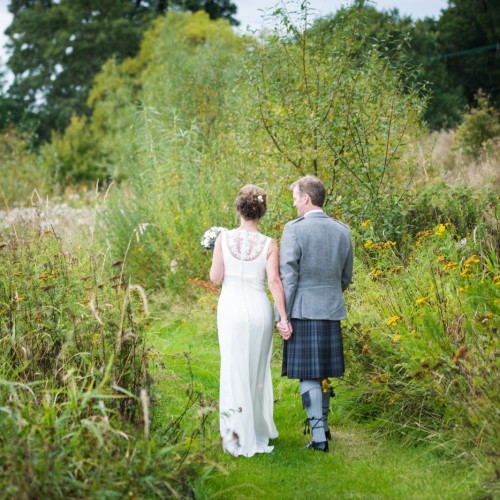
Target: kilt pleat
[[314, 351]]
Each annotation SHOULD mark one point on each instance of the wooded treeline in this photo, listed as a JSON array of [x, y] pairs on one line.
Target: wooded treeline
[[58, 48]]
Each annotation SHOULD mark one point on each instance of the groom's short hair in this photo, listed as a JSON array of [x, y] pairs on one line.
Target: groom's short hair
[[312, 186]]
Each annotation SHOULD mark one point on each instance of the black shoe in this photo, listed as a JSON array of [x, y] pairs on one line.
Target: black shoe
[[328, 435], [320, 446]]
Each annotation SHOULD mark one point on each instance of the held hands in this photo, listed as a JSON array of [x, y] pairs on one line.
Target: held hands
[[285, 328]]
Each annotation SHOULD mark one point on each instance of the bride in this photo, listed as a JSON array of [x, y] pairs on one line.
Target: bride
[[243, 258]]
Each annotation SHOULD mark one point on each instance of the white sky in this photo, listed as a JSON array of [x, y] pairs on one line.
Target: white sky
[[250, 12]]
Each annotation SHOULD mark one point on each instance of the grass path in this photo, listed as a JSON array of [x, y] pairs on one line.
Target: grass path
[[360, 463]]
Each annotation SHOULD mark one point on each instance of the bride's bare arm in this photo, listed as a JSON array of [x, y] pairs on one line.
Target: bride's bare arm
[[217, 269], [274, 281]]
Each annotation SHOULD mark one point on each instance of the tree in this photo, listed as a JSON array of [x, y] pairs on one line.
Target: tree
[[334, 105], [469, 33], [57, 48]]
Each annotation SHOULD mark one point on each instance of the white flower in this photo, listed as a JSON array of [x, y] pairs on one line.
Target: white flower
[[210, 236]]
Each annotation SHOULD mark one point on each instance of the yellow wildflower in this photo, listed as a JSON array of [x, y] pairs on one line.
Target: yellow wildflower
[[376, 274], [389, 243], [421, 300], [396, 338], [440, 230], [326, 384], [471, 260], [466, 273], [393, 320], [463, 288], [450, 265], [496, 280], [368, 244], [366, 223], [441, 258]]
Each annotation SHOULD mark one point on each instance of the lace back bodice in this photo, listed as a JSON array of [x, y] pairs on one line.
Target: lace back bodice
[[244, 245]]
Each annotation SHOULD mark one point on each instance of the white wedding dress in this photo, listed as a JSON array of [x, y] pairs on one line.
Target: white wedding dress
[[245, 325]]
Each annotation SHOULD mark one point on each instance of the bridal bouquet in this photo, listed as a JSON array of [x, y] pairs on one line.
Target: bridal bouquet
[[209, 237]]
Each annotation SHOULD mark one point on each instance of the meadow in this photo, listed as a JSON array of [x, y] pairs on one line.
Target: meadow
[[109, 359]]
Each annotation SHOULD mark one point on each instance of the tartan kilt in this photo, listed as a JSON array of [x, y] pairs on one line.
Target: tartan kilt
[[314, 351]]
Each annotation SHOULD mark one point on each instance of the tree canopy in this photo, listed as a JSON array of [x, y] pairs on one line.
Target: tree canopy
[[57, 48]]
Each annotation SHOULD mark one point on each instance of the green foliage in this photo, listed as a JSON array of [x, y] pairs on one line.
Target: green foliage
[[423, 358], [463, 207], [337, 110], [59, 46], [185, 158], [479, 126], [74, 378], [21, 171], [74, 158]]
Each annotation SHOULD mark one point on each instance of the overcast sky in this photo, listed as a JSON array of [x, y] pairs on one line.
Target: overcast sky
[[250, 11]]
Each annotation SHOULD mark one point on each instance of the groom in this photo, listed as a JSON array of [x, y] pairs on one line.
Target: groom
[[316, 267]]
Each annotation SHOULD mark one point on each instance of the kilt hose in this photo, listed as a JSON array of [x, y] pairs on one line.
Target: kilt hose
[[314, 351]]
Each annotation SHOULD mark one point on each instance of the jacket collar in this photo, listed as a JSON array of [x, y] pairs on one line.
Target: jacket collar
[[315, 214]]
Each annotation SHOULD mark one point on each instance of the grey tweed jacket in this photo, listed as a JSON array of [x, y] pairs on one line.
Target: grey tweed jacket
[[316, 259]]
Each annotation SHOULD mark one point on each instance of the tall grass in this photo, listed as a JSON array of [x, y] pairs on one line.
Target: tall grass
[[74, 377]]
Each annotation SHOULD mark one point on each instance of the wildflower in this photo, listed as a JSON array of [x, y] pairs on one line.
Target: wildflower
[[423, 234], [466, 273], [496, 280], [441, 258], [376, 274], [463, 241], [413, 332], [440, 230], [421, 300], [326, 384], [450, 265], [396, 338], [389, 243], [365, 348], [366, 223], [368, 244], [393, 320], [471, 260], [463, 288]]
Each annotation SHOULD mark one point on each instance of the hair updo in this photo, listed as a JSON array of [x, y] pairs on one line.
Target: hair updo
[[251, 202]]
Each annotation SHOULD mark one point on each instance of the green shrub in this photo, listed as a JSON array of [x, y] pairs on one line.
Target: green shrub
[[461, 206], [21, 171], [480, 125]]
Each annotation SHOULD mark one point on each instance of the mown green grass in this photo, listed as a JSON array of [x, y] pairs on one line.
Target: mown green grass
[[361, 464]]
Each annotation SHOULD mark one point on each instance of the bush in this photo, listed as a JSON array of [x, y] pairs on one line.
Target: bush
[[480, 125], [21, 171]]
